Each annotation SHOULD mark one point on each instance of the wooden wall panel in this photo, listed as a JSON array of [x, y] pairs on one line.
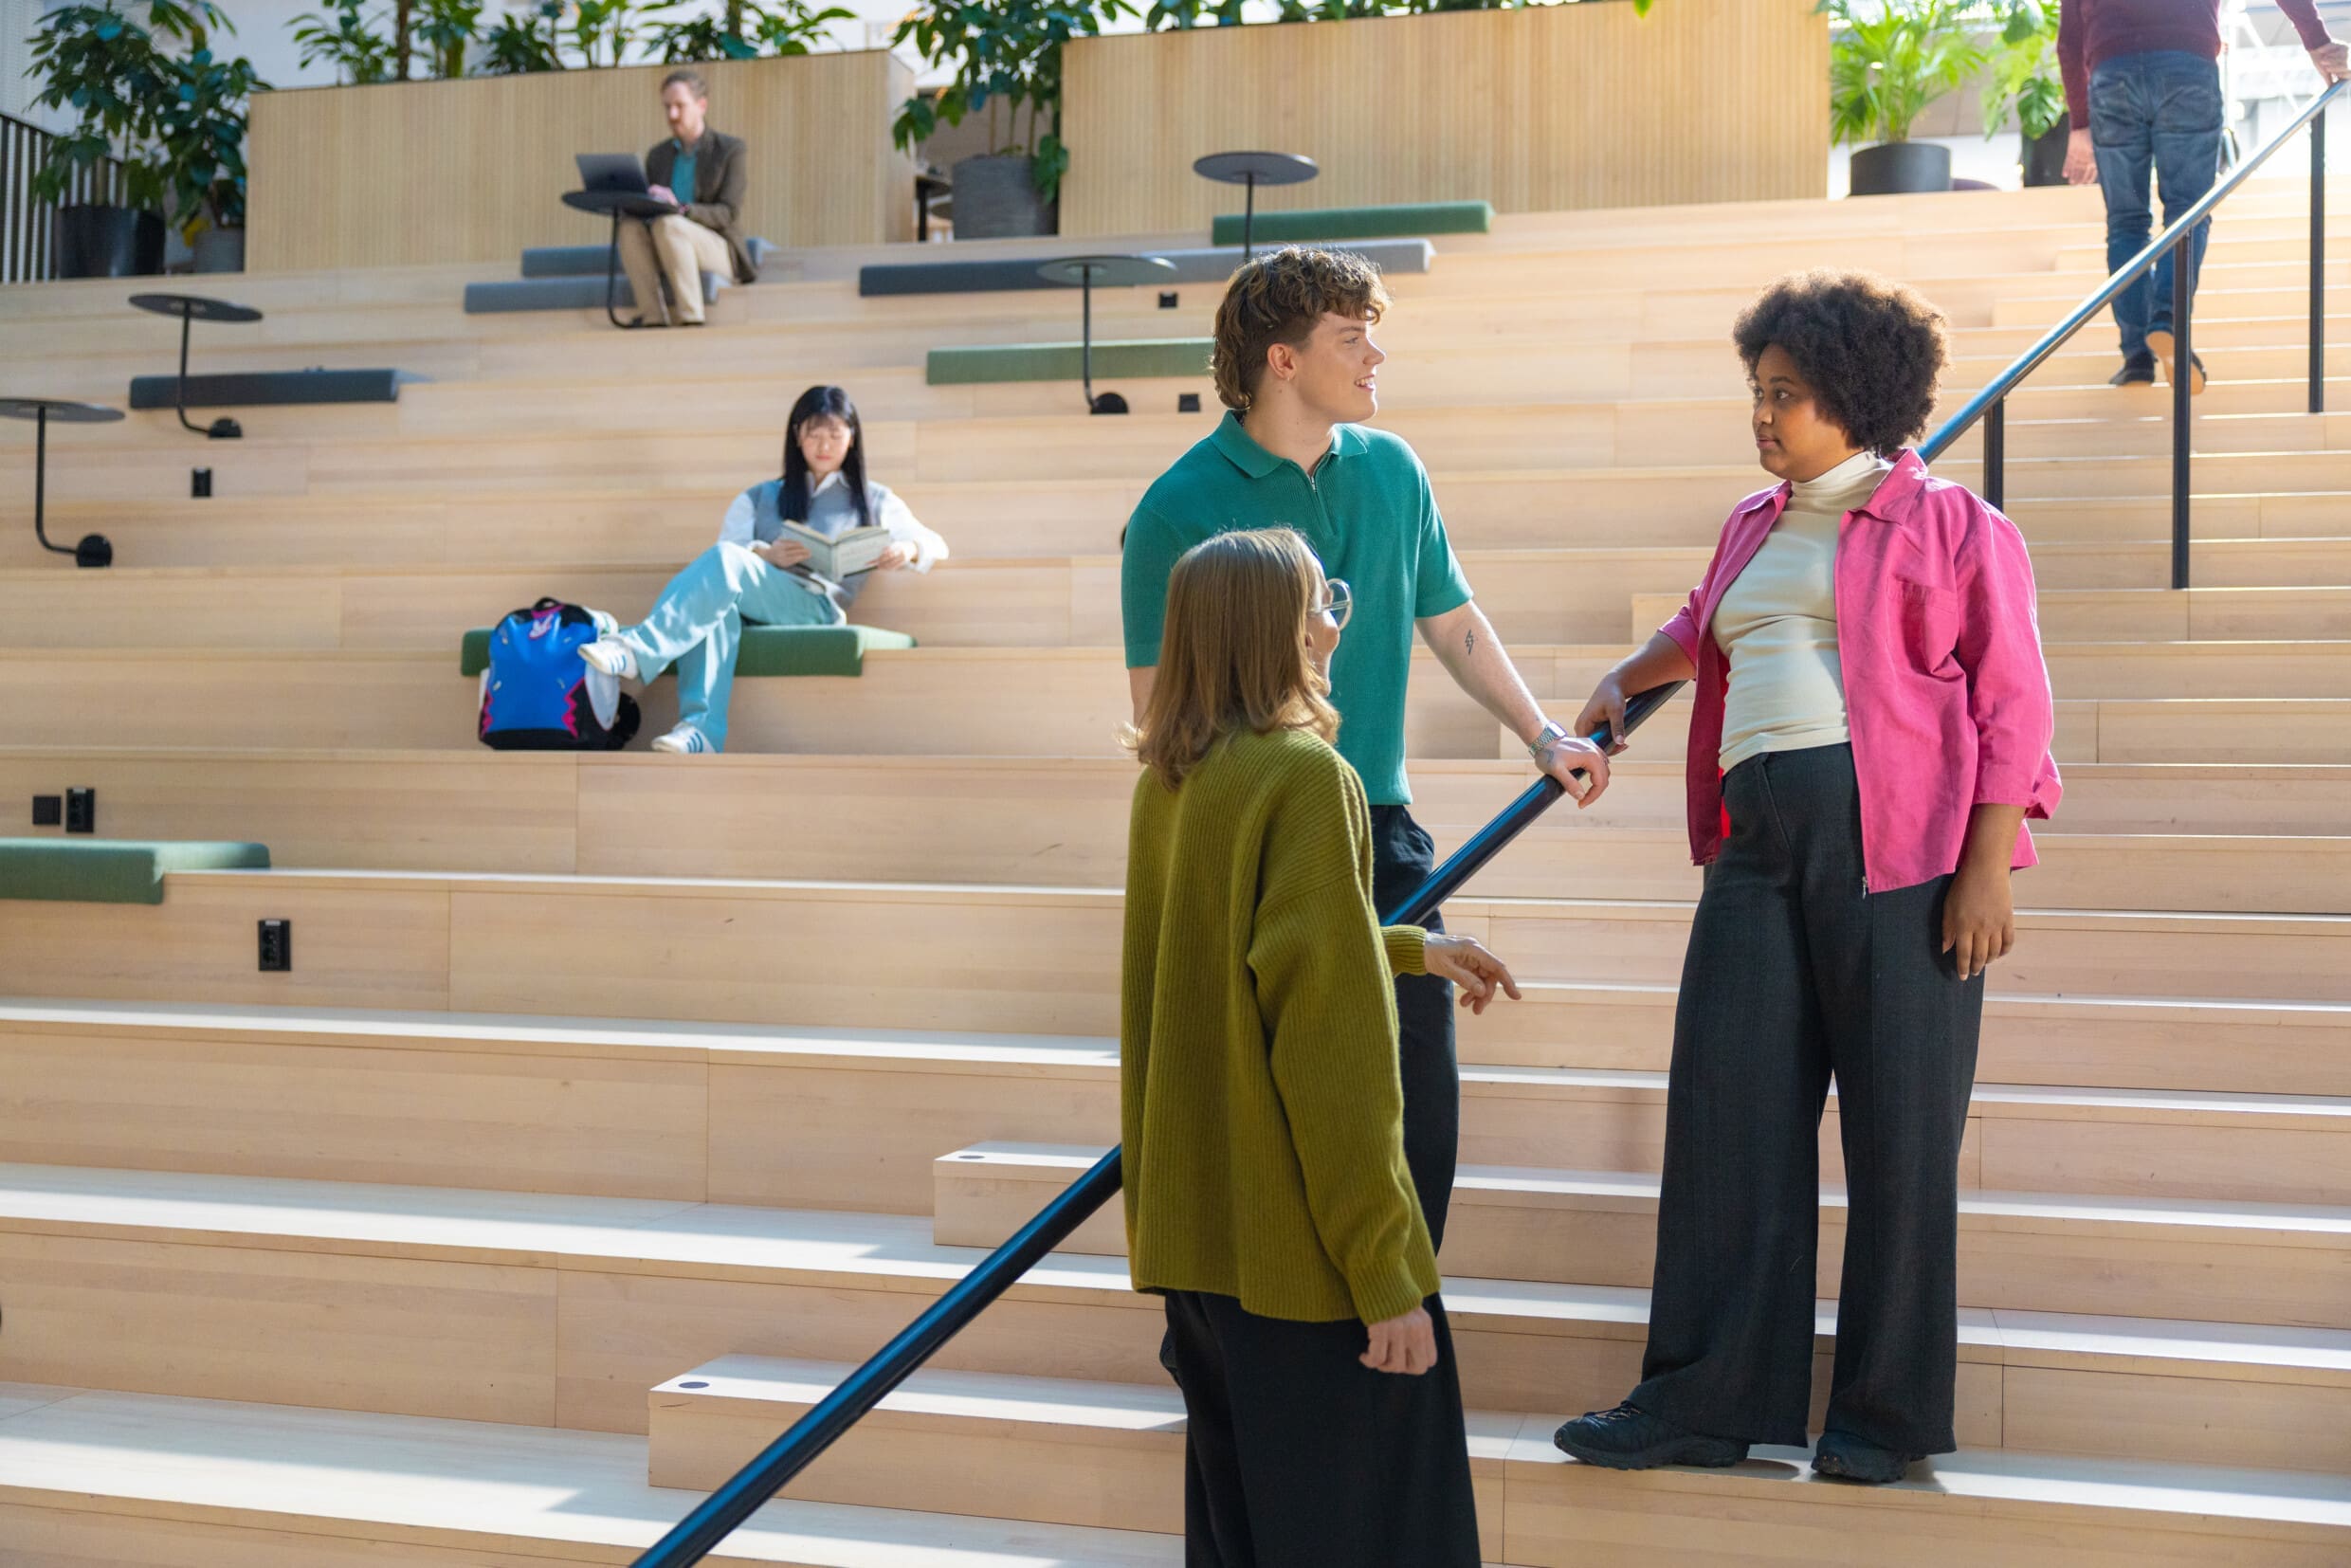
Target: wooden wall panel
[[1539, 109], [473, 171]]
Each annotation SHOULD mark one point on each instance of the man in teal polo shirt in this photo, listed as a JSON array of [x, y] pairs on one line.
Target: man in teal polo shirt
[[1297, 369]]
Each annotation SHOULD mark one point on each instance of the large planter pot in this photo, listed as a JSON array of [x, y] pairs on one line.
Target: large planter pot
[[220, 250], [996, 198], [105, 241], [1896, 168], [2044, 162]]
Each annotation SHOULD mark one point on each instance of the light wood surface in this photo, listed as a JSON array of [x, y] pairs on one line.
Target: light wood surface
[[1540, 110], [471, 170]]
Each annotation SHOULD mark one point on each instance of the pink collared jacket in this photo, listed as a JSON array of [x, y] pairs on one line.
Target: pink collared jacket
[[1946, 695]]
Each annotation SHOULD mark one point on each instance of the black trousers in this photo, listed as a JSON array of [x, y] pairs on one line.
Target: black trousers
[[1297, 1455], [1794, 974], [1402, 857]]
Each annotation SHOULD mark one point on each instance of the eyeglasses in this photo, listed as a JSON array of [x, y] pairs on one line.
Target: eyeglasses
[[1338, 603]]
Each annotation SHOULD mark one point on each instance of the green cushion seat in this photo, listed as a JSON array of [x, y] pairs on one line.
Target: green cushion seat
[[1138, 359], [1362, 223], [766, 649], [111, 870]]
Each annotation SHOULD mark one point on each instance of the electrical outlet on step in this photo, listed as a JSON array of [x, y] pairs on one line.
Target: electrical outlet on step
[[82, 811], [277, 941]]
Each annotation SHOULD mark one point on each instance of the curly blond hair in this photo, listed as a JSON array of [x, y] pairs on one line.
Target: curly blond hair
[[1278, 297]]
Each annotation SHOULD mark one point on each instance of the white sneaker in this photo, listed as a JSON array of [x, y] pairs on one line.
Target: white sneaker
[[612, 656], [685, 740]]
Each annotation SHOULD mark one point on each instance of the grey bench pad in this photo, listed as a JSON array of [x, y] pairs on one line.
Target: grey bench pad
[[561, 293], [1210, 265], [252, 389], [586, 261]]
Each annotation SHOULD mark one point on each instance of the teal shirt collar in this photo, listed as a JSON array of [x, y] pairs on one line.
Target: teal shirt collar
[[1241, 448]]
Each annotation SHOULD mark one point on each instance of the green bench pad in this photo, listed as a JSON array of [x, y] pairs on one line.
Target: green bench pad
[[765, 651], [1165, 357], [107, 870], [1362, 223]]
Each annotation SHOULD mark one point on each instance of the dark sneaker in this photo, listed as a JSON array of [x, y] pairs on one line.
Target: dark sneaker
[[2165, 348], [1629, 1439], [1850, 1458], [2139, 371]]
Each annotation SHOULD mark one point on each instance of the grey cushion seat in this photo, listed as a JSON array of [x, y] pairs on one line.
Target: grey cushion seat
[[1212, 265], [570, 277]]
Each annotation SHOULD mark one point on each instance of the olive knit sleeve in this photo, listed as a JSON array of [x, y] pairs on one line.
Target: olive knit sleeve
[[1325, 991]]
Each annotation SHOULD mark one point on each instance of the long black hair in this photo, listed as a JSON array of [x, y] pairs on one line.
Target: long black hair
[[823, 403]]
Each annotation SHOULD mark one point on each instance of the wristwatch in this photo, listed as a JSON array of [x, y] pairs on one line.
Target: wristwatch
[[1546, 740]]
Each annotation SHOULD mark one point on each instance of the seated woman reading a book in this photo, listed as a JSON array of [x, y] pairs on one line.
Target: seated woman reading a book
[[795, 551]]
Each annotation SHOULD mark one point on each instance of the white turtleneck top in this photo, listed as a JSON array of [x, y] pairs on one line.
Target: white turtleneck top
[[1777, 623]]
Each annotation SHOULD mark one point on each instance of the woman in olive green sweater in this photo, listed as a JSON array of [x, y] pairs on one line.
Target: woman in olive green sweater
[[1266, 1193]]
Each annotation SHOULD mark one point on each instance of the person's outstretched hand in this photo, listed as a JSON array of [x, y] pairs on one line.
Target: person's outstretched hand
[[1607, 706], [2333, 61], [1407, 1344], [1465, 961], [2080, 158]]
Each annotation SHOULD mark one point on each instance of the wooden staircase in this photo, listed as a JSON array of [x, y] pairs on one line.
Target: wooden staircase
[[617, 1105]]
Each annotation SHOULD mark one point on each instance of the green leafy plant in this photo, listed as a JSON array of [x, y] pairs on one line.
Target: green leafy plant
[[115, 69], [524, 42], [1227, 13], [1008, 58], [447, 29], [202, 131], [744, 30], [602, 30], [347, 39], [1887, 61], [2023, 79]]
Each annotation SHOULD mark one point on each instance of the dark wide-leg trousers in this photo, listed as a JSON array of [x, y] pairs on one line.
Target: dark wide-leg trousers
[[1297, 1455], [1793, 975], [1402, 857]]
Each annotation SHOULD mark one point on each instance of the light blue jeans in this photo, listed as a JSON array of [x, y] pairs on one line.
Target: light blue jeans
[[698, 623]]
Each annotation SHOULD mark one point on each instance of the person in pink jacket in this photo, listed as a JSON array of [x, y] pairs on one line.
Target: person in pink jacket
[[1871, 730]]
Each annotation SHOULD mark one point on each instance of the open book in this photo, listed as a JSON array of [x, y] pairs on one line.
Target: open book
[[844, 555]]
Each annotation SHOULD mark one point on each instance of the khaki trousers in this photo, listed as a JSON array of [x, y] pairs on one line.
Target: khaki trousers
[[672, 250]]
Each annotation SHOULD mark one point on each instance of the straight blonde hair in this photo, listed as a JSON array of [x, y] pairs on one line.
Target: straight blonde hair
[[1233, 654]]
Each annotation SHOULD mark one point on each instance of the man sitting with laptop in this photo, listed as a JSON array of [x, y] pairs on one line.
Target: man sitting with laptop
[[702, 172]]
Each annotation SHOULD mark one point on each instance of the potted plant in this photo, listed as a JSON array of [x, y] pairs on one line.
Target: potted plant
[[2024, 83], [744, 30], [525, 41], [1886, 63], [202, 135], [112, 70], [346, 39], [1008, 58]]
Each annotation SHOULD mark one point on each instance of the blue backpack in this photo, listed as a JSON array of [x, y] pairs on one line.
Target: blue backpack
[[538, 694]]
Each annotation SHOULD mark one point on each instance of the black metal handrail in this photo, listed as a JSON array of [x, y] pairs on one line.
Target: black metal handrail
[[25, 254], [1990, 404], [716, 1516]]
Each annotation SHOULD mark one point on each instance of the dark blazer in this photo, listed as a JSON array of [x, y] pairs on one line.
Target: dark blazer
[[717, 199]]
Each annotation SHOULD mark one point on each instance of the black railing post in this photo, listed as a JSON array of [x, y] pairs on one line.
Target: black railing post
[[1996, 453], [2317, 261], [2183, 372]]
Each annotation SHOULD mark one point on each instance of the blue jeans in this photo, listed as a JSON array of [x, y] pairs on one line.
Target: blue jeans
[[2161, 111], [696, 623]]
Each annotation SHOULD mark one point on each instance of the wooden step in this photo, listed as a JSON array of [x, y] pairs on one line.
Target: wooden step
[[1055, 1450], [1072, 702], [559, 1311], [987, 819], [2283, 1264], [2088, 593], [994, 959], [116, 1478], [2200, 1044], [856, 1120]]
